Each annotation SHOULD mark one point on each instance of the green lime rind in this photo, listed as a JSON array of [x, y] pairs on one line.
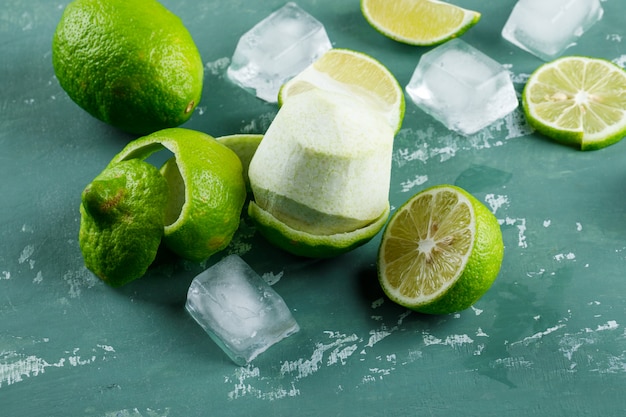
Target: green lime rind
[[309, 245], [479, 273], [136, 77], [207, 190], [122, 218]]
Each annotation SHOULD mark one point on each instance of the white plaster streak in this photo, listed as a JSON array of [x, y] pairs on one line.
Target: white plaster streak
[[15, 367], [521, 227], [539, 335], [27, 252], [376, 336], [565, 256], [455, 340], [418, 180], [496, 201], [610, 325]]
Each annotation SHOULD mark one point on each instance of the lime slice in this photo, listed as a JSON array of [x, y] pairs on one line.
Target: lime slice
[[353, 73], [440, 252], [310, 245], [244, 145], [418, 22], [206, 190], [577, 101]]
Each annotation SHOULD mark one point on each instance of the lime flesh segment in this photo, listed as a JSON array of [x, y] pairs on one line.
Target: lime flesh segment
[[440, 252], [578, 101], [418, 22], [355, 74], [207, 190]]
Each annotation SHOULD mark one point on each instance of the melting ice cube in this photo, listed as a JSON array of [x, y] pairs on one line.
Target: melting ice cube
[[546, 28], [238, 309], [462, 87], [276, 49]]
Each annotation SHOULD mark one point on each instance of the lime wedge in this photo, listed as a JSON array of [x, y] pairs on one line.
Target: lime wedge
[[577, 101], [418, 22], [440, 252]]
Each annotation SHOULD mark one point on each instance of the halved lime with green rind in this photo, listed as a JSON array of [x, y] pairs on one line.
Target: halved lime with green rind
[[310, 245], [207, 189], [578, 101], [440, 252]]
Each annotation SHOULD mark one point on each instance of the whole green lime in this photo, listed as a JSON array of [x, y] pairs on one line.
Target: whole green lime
[[122, 219], [131, 64]]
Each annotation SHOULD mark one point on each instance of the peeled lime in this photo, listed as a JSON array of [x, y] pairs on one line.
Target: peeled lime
[[322, 173]]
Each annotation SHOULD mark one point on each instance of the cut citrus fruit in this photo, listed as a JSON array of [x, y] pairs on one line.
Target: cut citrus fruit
[[577, 101], [353, 73], [418, 22], [206, 190], [244, 146], [440, 252], [310, 245]]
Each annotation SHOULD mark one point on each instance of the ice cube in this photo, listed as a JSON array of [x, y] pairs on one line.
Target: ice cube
[[238, 309], [276, 49], [462, 87], [546, 28]]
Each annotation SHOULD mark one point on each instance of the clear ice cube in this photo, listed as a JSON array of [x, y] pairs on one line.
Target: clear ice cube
[[276, 49], [546, 28], [461, 87], [238, 309]]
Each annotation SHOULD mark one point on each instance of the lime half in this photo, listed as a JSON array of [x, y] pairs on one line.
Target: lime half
[[578, 101], [440, 252], [418, 22]]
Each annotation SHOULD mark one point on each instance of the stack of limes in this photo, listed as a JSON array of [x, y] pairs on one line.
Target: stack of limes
[[320, 176]]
